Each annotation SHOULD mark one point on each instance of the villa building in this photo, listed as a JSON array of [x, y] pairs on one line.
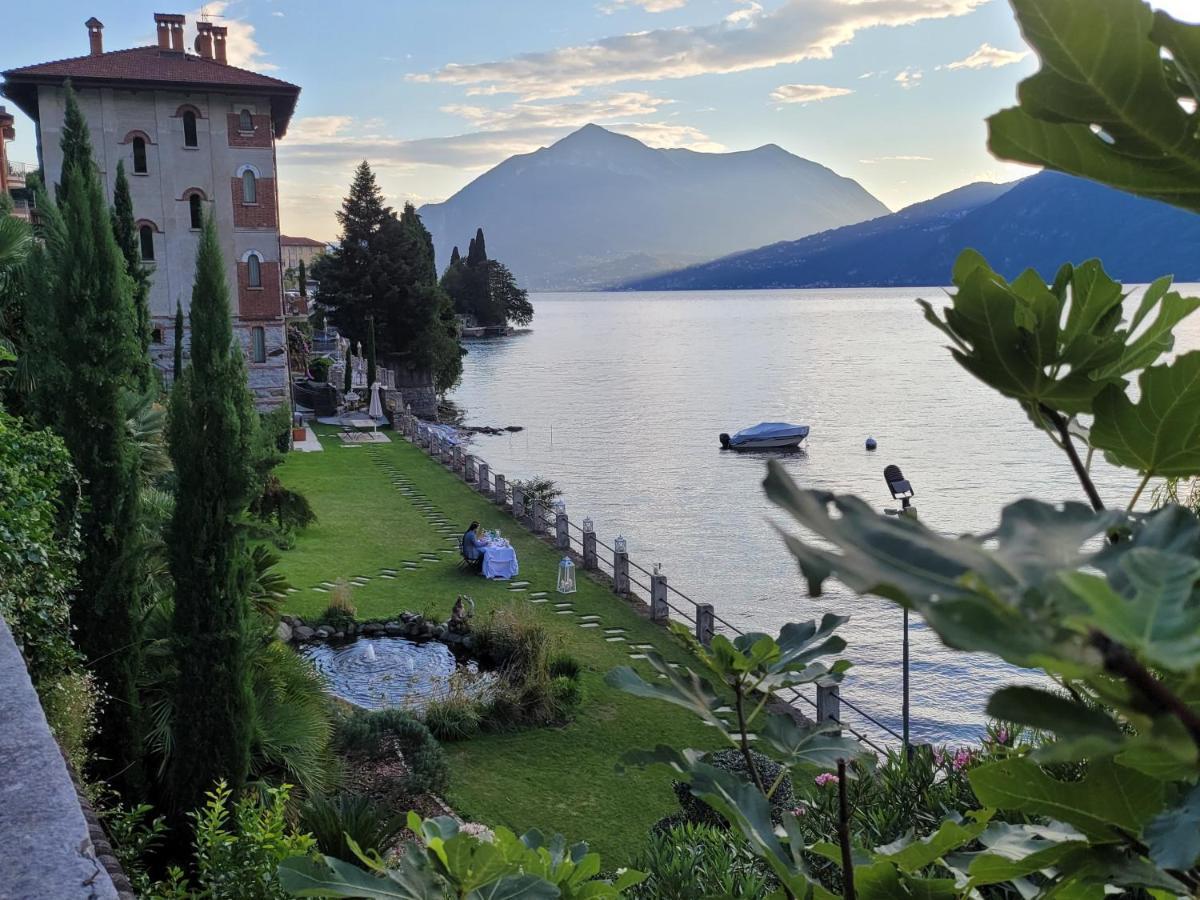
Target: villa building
[[297, 249], [197, 137]]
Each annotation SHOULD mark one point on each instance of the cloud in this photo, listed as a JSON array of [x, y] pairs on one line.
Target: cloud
[[653, 6], [807, 93], [241, 48], [277, 14], [749, 11], [342, 140], [909, 78], [755, 39], [989, 57], [625, 105]]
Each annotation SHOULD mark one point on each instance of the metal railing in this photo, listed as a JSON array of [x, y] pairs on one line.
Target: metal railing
[[456, 459]]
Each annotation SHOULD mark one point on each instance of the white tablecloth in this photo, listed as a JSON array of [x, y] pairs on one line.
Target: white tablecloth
[[499, 562]]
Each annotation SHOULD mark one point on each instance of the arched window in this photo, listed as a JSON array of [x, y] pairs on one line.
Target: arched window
[[146, 237], [245, 121], [258, 338], [139, 155], [254, 271], [189, 129], [196, 211], [249, 187], [156, 336]]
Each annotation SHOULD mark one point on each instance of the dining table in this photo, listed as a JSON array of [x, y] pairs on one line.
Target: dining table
[[499, 560]]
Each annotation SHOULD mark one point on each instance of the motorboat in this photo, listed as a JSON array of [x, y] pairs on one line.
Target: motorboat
[[766, 436]]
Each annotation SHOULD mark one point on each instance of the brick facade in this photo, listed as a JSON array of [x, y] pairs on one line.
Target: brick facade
[[260, 137], [254, 215], [260, 303]]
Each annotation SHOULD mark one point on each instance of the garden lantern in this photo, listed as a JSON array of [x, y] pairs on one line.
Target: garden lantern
[[560, 508], [619, 545], [566, 576], [658, 568], [588, 525]]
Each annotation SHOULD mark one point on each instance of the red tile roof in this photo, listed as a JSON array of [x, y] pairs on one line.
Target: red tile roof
[[299, 241], [151, 66]]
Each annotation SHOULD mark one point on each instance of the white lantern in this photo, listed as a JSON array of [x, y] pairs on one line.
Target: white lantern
[[588, 525], [566, 576], [619, 544], [658, 568], [560, 507]]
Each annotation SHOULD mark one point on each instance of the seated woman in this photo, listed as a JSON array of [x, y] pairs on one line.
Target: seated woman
[[472, 549]]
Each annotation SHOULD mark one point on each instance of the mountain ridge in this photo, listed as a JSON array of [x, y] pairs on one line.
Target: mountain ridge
[[597, 207], [1038, 222]]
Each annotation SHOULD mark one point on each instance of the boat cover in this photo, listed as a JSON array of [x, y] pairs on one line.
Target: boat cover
[[769, 431]]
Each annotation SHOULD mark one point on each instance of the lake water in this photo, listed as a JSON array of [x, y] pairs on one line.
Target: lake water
[[622, 397]]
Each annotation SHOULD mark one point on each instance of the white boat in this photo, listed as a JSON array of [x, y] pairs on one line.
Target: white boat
[[766, 436]]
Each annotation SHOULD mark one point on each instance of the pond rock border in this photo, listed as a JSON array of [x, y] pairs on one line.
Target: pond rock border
[[413, 626]]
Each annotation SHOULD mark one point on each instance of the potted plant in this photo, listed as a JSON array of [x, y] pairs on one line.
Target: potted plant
[[319, 368]]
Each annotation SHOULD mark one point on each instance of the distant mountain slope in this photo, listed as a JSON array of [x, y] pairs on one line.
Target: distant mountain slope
[[597, 207], [1040, 222]]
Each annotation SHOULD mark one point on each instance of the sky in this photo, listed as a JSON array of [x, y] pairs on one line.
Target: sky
[[892, 93]]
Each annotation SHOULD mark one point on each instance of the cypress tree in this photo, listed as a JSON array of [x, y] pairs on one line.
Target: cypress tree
[[455, 259], [370, 351], [127, 239], [348, 379], [303, 277], [177, 362], [96, 351], [212, 436], [480, 247]]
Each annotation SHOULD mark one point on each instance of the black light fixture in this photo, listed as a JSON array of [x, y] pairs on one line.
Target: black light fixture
[[903, 491], [899, 486]]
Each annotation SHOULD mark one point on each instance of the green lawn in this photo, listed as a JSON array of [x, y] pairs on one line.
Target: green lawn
[[557, 779]]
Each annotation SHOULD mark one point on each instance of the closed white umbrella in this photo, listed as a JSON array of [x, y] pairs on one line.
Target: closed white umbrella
[[375, 410]]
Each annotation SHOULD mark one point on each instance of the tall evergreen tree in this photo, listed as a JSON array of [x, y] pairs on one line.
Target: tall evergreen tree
[[96, 351], [478, 254], [346, 274], [455, 259], [348, 377], [125, 230], [212, 433], [303, 279], [370, 351], [177, 361]]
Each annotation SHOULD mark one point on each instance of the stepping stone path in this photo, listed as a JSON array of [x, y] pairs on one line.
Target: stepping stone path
[[449, 532]]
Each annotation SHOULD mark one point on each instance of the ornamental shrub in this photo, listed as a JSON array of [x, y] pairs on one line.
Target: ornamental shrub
[[688, 861], [698, 812], [335, 821], [565, 665], [374, 732], [453, 719]]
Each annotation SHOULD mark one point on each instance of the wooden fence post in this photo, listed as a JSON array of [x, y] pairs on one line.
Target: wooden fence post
[[591, 560], [706, 623], [469, 469], [501, 495], [562, 534], [829, 702], [481, 478], [659, 611], [621, 573], [537, 517], [518, 501]]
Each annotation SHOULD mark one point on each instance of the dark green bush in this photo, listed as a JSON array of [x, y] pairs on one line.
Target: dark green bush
[[509, 639], [331, 819], [564, 665], [700, 813], [453, 719], [687, 861], [378, 732], [319, 369]]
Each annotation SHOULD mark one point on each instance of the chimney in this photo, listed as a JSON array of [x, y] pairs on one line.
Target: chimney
[[95, 36], [170, 31], [204, 39], [219, 32]]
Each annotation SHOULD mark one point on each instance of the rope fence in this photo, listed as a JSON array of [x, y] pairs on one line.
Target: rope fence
[[543, 519]]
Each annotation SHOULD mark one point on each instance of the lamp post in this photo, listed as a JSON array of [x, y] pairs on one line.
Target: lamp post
[[901, 490]]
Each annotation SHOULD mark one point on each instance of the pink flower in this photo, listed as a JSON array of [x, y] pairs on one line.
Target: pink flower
[[826, 778], [961, 760], [938, 756], [800, 810], [1002, 736]]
